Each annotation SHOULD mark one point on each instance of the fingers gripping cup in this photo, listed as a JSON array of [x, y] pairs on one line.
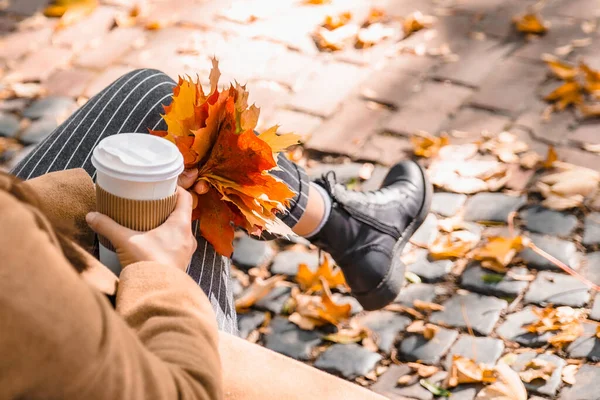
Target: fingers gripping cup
[[136, 184]]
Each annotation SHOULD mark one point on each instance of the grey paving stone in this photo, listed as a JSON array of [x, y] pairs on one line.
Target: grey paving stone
[[275, 300], [347, 360], [415, 347], [591, 229], [472, 122], [549, 387], [287, 262], [427, 232], [557, 289], [38, 130], [587, 345], [249, 322], [591, 267], [391, 85], [415, 391], [494, 207], [287, 339], [51, 106], [13, 105], [510, 87], [481, 280], [249, 253], [548, 222], [9, 124], [595, 313], [563, 250], [355, 306], [344, 172], [429, 270], [237, 288], [586, 384], [387, 384], [464, 392], [484, 350], [553, 132], [416, 291], [513, 329], [482, 312], [447, 204], [477, 59], [387, 325]]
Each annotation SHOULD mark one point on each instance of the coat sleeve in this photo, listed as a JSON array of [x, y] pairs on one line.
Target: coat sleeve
[[60, 339]]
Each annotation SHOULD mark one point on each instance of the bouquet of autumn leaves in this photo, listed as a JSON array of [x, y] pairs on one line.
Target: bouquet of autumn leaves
[[215, 133]]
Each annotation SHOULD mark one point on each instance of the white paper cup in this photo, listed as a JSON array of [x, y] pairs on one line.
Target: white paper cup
[[136, 181]]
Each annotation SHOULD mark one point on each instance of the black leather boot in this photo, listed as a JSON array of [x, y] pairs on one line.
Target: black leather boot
[[367, 231]]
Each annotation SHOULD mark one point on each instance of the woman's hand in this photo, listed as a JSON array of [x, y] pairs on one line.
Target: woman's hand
[[187, 180], [172, 243]]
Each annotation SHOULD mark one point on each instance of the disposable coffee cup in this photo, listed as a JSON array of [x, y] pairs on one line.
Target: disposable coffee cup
[[136, 183]]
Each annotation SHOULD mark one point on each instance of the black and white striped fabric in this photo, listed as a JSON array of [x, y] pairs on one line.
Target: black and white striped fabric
[[133, 103]]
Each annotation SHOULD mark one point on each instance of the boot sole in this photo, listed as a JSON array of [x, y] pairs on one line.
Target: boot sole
[[389, 288]]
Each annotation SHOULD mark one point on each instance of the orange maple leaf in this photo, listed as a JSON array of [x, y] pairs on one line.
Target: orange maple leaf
[[311, 281], [215, 133]]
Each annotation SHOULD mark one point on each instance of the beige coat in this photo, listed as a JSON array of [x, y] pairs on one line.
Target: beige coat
[[60, 338]]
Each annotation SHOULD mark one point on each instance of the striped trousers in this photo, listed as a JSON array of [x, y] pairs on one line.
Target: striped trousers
[[133, 103]]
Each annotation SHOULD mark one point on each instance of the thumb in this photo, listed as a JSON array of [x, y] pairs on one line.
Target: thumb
[[107, 227]]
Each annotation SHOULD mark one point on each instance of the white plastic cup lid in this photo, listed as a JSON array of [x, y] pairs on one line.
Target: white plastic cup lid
[[137, 157]]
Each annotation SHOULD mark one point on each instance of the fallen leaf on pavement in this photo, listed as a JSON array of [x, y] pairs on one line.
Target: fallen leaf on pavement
[[453, 245], [508, 386], [416, 21], [375, 15], [257, 290], [566, 94], [530, 23], [530, 159], [335, 21], [465, 370], [589, 110], [435, 389], [537, 369], [498, 252], [373, 34], [403, 309], [311, 281], [337, 39], [569, 372], [426, 145], [505, 146], [427, 330], [424, 371], [406, 380], [128, 19], [314, 311], [427, 306], [565, 321], [559, 68], [568, 188], [551, 157], [70, 11], [469, 176], [345, 336]]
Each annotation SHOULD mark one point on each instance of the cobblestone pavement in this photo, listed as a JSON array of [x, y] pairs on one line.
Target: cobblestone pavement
[[362, 106]]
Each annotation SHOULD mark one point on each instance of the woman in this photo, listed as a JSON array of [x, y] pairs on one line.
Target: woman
[[364, 232]]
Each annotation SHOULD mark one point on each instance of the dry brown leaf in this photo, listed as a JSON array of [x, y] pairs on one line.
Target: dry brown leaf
[[319, 310], [559, 68], [311, 281], [569, 372], [415, 22], [465, 370], [427, 306], [128, 19], [508, 386], [537, 369], [373, 34], [424, 371], [594, 148], [375, 15], [530, 159], [568, 188], [70, 11], [566, 321], [427, 330], [403, 309], [406, 380], [453, 245], [257, 290], [498, 252], [589, 110], [426, 145], [567, 90], [348, 335], [530, 23], [469, 176], [505, 146], [336, 39], [335, 21]]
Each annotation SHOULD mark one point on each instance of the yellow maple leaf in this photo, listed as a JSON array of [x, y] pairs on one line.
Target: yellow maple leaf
[[314, 311], [335, 21], [279, 142], [551, 157], [465, 370], [498, 252], [70, 11], [416, 21], [312, 281], [561, 69]]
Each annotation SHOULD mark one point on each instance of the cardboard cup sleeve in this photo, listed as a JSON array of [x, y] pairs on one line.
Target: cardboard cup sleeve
[[139, 215]]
